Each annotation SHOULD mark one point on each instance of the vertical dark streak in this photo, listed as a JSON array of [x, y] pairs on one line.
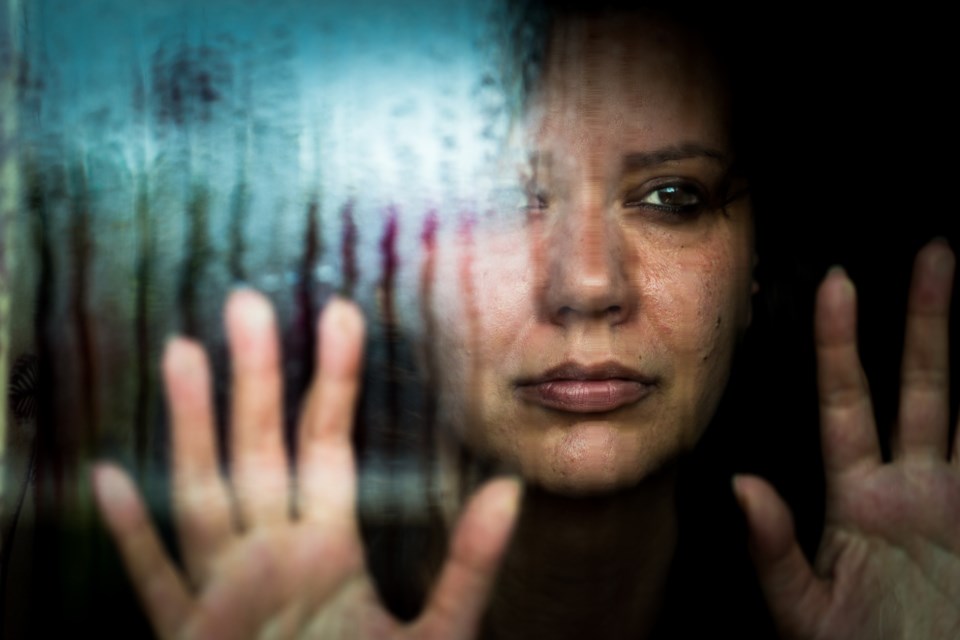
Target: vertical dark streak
[[43, 439], [389, 264], [239, 211], [435, 534], [240, 198], [143, 281], [306, 297], [303, 340], [348, 250], [80, 293], [47, 461], [388, 445], [198, 248], [428, 243], [142, 320], [11, 528], [351, 273]]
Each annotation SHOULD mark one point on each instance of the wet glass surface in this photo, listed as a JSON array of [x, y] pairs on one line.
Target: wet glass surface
[[173, 151]]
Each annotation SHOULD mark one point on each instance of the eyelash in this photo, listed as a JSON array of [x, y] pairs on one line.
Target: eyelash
[[538, 201], [678, 188]]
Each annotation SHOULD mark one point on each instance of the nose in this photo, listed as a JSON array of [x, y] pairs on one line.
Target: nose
[[587, 269]]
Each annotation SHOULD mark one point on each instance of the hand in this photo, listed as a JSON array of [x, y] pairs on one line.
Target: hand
[[266, 556], [888, 565]]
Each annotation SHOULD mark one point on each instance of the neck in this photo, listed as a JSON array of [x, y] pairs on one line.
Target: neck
[[587, 566]]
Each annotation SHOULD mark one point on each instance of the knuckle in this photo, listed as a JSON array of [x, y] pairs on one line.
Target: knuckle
[[924, 377]]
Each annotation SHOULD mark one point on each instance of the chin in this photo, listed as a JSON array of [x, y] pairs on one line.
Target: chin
[[578, 484], [594, 459]]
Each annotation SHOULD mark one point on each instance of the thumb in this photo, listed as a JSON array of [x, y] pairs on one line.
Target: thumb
[[460, 596], [795, 595]]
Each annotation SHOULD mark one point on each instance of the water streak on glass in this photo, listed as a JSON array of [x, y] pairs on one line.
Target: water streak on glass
[[170, 151]]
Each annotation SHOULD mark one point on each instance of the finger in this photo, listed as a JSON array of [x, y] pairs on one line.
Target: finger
[[849, 436], [326, 469], [161, 590], [201, 502], [460, 596], [922, 427], [257, 455], [795, 595]]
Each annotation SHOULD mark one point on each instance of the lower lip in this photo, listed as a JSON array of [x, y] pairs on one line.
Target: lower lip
[[585, 396]]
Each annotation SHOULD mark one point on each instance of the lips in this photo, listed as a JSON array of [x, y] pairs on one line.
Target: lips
[[576, 388]]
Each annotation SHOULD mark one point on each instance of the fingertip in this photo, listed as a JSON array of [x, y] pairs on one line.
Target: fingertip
[[247, 310], [489, 520], [939, 256], [837, 287], [109, 482], [793, 592], [243, 296], [477, 548], [341, 317], [186, 376], [251, 332], [743, 488], [769, 521], [502, 497], [739, 493], [181, 355], [114, 493], [341, 330], [835, 315], [942, 242], [161, 591]]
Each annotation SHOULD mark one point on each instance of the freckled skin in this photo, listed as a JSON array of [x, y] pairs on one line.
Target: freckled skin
[[590, 279]]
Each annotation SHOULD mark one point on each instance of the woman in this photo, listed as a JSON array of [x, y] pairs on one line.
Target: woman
[[590, 377]]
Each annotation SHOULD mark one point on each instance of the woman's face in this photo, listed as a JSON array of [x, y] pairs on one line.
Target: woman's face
[[590, 345]]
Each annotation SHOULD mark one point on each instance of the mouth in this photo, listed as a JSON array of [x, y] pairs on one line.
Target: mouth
[[576, 388]]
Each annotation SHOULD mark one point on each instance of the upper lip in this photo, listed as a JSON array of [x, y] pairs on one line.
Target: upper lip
[[610, 370]]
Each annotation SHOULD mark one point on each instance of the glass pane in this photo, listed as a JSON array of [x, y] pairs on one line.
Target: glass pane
[[585, 243]]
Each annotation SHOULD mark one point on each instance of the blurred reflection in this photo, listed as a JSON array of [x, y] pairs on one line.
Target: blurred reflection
[[171, 151]]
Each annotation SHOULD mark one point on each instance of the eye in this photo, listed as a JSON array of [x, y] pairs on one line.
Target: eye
[[680, 198]]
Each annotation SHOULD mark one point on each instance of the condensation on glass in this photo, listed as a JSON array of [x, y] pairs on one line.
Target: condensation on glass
[[156, 155]]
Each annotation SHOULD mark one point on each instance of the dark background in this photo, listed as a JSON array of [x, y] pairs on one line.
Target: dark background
[[851, 137]]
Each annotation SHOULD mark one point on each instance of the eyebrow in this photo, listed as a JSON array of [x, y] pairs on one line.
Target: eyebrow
[[642, 160]]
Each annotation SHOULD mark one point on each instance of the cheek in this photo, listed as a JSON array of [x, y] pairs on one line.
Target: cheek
[[483, 307], [701, 307]]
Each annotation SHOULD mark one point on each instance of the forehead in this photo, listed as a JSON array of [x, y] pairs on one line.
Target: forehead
[[628, 82]]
